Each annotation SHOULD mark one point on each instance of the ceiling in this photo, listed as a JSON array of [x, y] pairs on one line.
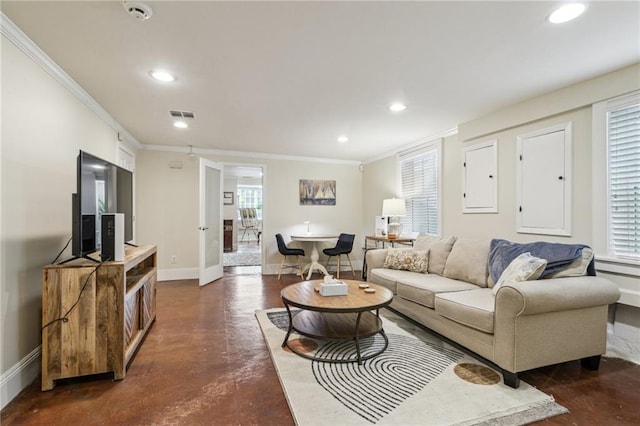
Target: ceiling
[[242, 172], [287, 78]]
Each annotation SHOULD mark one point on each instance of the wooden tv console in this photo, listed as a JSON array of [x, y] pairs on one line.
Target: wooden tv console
[[112, 316]]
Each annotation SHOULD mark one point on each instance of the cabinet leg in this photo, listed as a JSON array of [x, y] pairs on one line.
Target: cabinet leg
[[47, 383]]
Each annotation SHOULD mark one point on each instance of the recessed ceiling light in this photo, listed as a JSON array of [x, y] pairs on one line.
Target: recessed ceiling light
[[162, 76], [567, 13], [343, 139], [397, 107], [180, 124]]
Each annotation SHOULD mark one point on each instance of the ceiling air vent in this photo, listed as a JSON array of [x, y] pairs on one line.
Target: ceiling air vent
[[182, 114]]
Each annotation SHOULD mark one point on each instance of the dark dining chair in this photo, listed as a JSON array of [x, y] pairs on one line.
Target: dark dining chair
[[285, 252], [343, 248]]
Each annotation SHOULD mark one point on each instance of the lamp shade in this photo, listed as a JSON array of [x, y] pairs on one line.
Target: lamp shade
[[394, 207]]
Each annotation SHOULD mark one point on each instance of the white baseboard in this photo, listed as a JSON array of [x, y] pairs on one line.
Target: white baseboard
[[19, 376], [177, 274], [622, 342], [273, 268], [192, 273]]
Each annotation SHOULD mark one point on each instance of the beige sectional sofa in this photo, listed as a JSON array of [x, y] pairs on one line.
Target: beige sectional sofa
[[524, 325]]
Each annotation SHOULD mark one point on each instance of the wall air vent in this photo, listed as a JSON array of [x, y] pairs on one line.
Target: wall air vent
[[182, 114]]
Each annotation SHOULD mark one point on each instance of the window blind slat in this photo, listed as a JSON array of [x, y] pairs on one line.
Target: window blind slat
[[419, 185], [623, 143]]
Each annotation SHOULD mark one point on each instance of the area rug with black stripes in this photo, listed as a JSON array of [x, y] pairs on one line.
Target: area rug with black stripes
[[417, 380]]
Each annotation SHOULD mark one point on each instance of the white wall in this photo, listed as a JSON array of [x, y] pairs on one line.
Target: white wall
[[168, 206], [503, 223], [230, 184], [380, 182], [43, 128], [558, 102], [572, 104]]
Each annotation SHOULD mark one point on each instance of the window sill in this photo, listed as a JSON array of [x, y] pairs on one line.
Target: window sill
[[618, 265]]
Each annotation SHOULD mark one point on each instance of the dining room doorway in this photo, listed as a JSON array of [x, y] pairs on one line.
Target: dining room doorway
[[243, 219]]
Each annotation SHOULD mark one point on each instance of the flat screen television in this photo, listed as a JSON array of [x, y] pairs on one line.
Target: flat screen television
[[102, 187]]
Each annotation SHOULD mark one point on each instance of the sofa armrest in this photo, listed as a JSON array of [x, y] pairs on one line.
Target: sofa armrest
[[375, 258], [555, 294], [548, 321]]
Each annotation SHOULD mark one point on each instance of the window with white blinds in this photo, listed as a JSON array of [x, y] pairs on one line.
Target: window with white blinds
[[420, 187], [623, 149]]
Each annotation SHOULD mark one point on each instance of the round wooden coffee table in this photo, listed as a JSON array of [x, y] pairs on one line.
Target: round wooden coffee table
[[347, 317]]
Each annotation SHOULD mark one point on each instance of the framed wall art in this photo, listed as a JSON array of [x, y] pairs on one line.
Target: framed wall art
[[315, 192]]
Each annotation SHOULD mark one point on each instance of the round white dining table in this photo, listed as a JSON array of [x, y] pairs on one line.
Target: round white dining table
[[315, 239]]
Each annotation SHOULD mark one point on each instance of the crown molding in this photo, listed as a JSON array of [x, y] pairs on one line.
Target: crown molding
[[245, 154], [18, 38], [412, 145]]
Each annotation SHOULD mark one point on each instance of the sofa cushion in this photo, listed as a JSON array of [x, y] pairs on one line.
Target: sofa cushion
[[407, 260], [490, 282], [439, 249], [473, 308], [422, 289], [422, 242], [468, 261], [523, 268], [389, 277]]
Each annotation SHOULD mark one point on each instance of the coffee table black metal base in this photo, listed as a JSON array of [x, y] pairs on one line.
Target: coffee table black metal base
[[336, 326]]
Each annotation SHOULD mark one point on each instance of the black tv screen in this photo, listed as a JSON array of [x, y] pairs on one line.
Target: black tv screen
[[102, 187]]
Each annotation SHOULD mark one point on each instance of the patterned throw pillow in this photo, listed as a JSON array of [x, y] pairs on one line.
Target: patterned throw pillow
[[407, 260], [523, 268]]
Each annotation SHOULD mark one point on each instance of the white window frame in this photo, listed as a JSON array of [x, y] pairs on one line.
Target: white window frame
[[608, 261], [415, 151], [258, 211]]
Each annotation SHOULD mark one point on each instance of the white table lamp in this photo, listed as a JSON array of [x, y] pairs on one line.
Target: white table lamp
[[394, 208]]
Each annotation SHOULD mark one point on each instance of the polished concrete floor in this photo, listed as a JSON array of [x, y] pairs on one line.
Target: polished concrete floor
[[204, 362]]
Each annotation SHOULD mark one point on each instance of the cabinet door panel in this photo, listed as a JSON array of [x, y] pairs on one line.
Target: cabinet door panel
[[149, 302], [544, 181], [542, 189], [131, 317], [480, 178]]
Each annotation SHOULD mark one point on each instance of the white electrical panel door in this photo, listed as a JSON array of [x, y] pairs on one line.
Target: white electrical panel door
[[480, 179], [544, 182]]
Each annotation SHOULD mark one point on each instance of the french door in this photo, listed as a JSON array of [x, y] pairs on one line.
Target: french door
[[211, 241]]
